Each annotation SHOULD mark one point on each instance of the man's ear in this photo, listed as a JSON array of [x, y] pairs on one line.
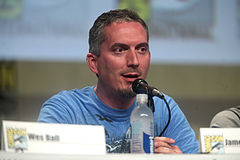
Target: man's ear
[[92, 62]]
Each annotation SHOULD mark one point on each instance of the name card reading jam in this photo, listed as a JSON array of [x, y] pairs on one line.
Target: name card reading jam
[[220, 140]]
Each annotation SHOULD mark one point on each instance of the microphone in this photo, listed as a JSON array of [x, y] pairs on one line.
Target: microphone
[[141, 86]]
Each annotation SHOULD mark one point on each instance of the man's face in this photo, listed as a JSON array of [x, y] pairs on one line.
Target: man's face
[[124, 57]]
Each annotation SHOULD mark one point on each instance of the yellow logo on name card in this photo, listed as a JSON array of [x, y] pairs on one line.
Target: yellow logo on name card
[[214, 144], [17, 139]]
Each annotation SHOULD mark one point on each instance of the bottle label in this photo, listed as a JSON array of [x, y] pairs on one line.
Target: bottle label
[[141, 142], [136, 145], [148, 143]]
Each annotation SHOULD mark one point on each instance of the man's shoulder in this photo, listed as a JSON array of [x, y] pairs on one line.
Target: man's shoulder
[[162, 106], [76, 92], [72, 95], [228, 113], [236, 111], [227, 118], [171, 102], [66, 106]]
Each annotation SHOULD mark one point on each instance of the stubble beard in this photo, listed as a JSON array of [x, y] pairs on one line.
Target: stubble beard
[[126, 93]]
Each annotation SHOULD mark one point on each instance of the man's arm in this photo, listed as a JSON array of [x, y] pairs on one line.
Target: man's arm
[[179, 137]]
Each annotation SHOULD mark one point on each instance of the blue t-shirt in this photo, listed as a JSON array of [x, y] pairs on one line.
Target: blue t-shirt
[[82, 106]]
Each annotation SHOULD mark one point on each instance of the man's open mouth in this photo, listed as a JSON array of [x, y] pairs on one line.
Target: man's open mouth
[[131, 75]]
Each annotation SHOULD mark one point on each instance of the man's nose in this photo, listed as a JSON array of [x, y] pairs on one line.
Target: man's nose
[[132, 59]]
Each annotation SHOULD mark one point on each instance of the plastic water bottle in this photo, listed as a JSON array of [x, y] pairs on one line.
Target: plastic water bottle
[[142, 126]]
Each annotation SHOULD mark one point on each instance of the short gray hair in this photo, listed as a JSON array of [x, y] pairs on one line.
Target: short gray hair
[[96, 33]]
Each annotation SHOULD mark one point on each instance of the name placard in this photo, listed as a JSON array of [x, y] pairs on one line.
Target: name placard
[[220, 140], [34, 137]]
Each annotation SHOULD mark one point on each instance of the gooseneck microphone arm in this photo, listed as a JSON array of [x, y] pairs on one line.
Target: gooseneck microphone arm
[[141, 86], [169, 117]]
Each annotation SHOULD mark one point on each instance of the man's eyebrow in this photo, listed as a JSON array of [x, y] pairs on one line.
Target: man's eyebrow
[[142, 45], [119, 45], [122, 45]]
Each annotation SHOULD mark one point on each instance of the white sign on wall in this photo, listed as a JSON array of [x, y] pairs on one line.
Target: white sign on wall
[[33, 137]]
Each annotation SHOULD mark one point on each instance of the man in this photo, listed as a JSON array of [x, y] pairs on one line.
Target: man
[[228, 118], [119, 54]]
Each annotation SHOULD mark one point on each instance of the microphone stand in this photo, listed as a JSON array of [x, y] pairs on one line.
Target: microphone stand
[[169, 116], [151, 103], [152, 107]]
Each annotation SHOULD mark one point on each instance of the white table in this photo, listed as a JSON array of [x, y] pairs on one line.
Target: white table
[[37, 156]]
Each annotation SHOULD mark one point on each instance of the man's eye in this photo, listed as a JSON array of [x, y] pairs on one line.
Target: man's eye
[[142, 50], [118, 50]]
